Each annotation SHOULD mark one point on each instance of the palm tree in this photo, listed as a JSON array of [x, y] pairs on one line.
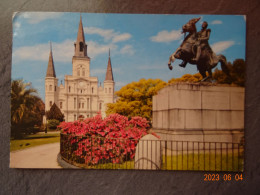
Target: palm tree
[[24, 101]]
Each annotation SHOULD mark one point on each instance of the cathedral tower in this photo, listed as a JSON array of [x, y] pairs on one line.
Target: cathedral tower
[[109, 84], [51, 83], [80, 60]]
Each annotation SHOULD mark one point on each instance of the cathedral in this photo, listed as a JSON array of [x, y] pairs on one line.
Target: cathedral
[[80, 96]]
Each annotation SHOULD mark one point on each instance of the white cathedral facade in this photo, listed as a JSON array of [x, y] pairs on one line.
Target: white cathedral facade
[[80, 96]]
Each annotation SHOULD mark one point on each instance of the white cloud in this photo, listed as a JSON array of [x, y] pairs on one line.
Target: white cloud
[[37, 52], [62, 52], [108, 34], [127, 49], [16, 27], [165, 36], [95, 49], [121, 37], [216, 22], [36, 17], [221, 46]]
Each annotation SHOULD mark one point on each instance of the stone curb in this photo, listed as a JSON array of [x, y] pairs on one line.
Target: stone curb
[[64, 164]]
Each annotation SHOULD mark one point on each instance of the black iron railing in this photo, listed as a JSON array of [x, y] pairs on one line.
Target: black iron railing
[[114, 153]]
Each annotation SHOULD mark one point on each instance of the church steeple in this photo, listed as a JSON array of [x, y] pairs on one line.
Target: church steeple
[[109, 74], [50, 70], [80, 45]]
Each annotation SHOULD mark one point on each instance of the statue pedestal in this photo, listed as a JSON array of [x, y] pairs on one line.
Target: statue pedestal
[[199, 112]]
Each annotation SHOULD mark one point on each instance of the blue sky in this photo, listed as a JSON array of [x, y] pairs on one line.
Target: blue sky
[[140, 44]]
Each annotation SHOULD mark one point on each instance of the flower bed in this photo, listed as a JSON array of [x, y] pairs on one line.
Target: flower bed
[[98, 141]]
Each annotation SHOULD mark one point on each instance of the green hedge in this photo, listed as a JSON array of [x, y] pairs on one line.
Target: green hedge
[[53, 123]]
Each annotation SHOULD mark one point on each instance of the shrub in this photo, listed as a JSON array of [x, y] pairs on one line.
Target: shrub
[[53, 123], [112, 139]]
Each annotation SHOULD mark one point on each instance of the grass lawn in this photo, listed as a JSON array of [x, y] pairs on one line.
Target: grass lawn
[[34, 140], [209, 162], [194, 162], [124, 165]]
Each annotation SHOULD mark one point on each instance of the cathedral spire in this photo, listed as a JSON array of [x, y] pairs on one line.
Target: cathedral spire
[[50, 70], [109, 74], [80, 45]]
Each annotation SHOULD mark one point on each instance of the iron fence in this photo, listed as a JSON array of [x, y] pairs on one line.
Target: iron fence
[[114, 153]]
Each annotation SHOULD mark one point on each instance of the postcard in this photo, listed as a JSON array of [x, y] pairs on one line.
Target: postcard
[[128, 91]]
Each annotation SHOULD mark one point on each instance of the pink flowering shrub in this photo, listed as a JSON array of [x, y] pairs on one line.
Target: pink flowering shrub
[[96, 140]]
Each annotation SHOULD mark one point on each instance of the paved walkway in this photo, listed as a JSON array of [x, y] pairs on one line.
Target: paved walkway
[[44, 156]]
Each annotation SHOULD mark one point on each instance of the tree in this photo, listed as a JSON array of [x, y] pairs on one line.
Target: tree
[[55, 113], [27, 108], [187, 78], [135, 99], [237, 74], [236, 77]]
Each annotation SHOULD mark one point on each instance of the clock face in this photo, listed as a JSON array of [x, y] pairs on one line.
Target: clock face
[[81, 84]]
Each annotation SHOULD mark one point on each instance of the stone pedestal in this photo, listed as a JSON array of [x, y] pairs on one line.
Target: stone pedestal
[[199, 112]]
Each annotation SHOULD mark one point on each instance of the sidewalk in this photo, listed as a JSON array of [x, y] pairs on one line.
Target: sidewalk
[[44, 156]]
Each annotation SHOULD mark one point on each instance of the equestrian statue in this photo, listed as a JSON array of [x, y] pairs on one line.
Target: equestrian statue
[[196, 50]]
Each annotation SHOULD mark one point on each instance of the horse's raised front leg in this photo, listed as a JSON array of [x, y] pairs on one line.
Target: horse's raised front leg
[[172, 59]]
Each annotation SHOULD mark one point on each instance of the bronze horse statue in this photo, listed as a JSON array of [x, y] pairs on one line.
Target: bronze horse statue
[[187, 52]]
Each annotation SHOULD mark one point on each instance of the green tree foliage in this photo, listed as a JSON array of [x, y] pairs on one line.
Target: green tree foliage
[[237, 73], [55, 113], [27, 108], [135, 99]]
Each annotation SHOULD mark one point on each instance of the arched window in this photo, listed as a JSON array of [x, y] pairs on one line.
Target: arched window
[[87, 103], [81, 45], [55, 88], [75, 117], [109, 90], [50, 88], [60, 105], [69, 88], [74, 103], [100, 106], [83, 72], [50, 103], [92, 89]]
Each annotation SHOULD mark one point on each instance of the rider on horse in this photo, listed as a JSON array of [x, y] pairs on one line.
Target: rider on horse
[[195, 50], [201, 43]]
